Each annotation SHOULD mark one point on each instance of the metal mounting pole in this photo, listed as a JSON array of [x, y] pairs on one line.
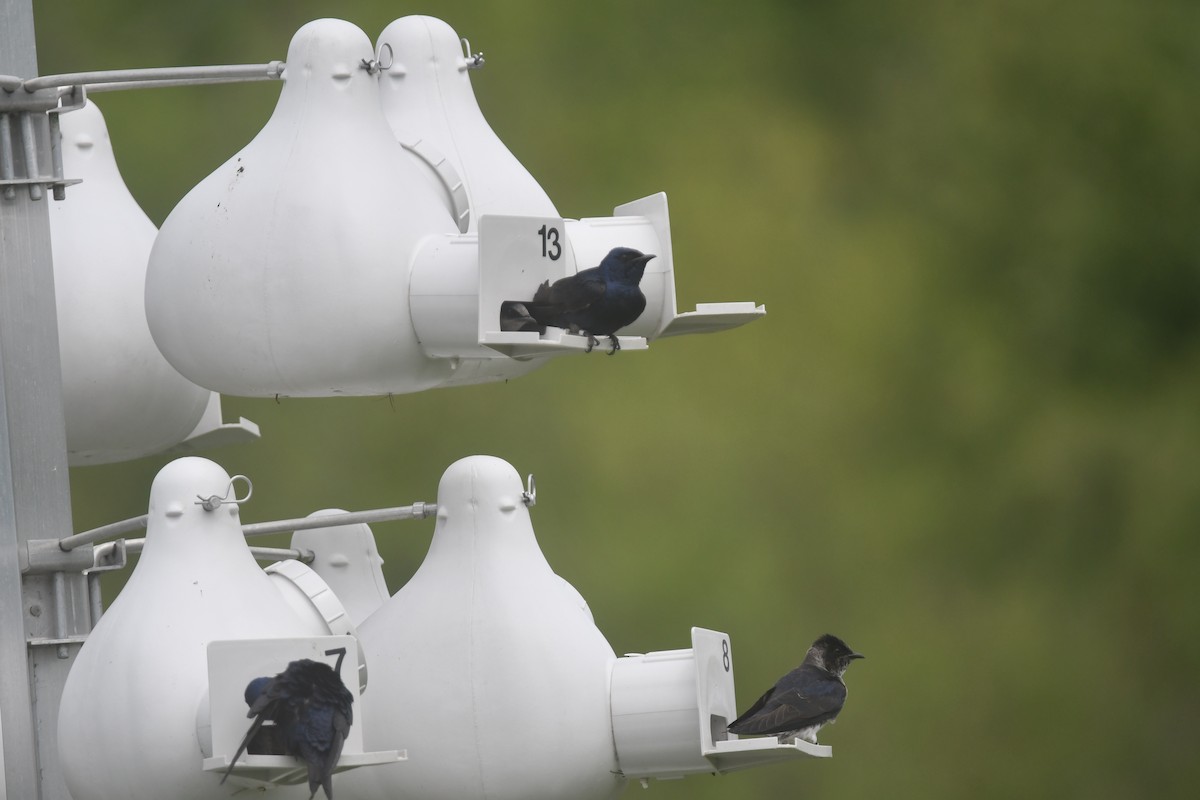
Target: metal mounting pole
[[43, 612]]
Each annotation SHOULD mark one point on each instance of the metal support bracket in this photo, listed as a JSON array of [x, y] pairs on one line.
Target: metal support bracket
[[44, 556], [59, 643], [22, 100], [109, 557], [20, 131]]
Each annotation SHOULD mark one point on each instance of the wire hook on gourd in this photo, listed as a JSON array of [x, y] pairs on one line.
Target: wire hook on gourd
[[213, 502]]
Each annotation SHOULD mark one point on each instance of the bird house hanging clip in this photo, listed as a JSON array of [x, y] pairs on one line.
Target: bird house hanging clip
[[213, 502]]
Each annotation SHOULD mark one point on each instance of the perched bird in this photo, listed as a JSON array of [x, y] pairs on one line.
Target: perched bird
[[595, 302], [806, 698], [311, 711]]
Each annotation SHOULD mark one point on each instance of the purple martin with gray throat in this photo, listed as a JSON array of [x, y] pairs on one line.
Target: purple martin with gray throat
[[806, 698]]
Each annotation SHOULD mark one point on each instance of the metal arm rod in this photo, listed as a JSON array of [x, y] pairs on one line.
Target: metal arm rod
[[116, 529], [415, 511], [280, 553], [117, 86], [134, 546], [110, 531], [222, 73]]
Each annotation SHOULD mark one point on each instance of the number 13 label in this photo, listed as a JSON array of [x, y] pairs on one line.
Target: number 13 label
[[551, 248]]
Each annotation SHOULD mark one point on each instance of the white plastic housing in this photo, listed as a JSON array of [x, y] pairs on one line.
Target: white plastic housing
[[312, 600], [428, 100], [671, 709], [212, 431], [346, 558], [127, 721], [487, 666], [286, 270], [121, 398], [460, 281], [655, 715]]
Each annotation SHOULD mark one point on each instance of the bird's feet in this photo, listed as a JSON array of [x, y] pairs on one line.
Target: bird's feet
[[612, 337], [592, 342]]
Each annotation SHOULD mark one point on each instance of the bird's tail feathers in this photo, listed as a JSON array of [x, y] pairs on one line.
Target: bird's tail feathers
[[320, 777], [320, 771], [542, 295]]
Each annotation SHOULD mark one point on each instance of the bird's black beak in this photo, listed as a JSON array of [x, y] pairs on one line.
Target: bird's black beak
[[853, 656], [645, 258]]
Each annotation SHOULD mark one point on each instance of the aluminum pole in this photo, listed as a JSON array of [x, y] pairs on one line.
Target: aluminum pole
[[41, 617]]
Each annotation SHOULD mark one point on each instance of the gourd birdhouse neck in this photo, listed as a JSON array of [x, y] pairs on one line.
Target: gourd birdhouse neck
[[326, 67], [482, 517], [180, 525]]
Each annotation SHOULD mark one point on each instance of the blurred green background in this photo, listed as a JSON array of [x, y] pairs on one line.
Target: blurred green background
[[965, 438]]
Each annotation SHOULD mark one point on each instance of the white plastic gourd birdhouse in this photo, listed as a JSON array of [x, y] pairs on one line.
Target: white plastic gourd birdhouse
[[345, 252], [428, 100], [121, 399], [137, 694], [286, 270], [486, 666], [347, 559], [460, 282], [488, 669]]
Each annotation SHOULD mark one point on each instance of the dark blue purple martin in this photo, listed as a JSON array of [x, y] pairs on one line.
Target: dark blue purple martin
[[593, 302], [311, 712]]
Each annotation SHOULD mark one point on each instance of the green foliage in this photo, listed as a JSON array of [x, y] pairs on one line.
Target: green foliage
[[965, 436]]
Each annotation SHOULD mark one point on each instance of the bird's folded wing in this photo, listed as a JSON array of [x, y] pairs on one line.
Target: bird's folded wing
[[790, 710], [736, 725], [572, 293]]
